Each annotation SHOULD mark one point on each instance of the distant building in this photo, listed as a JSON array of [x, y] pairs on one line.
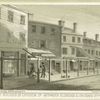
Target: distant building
[[71, 48], [92, 48], [13, 38], [79, 52]]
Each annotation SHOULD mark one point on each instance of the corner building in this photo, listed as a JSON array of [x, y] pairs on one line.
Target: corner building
[[13, 38]]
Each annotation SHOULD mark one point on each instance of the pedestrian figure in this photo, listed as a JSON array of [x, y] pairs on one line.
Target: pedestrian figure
[[43, 70], [32, 70]]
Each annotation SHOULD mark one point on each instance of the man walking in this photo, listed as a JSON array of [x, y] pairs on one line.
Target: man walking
[[43, 70]]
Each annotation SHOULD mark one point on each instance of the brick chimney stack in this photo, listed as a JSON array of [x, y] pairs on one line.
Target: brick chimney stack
[[61, 23], [30, 16], [75, 27], [84, 34], [96, 37]]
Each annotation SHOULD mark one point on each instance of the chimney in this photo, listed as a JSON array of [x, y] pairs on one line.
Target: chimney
[[84, 34], [74, 27], [30, 16], [61, 23], [96, 37]]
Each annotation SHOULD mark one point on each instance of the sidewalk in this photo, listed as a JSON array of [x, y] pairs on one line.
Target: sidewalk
[[85, 83]]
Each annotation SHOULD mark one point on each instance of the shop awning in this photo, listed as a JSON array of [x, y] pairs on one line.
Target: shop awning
[[82, 54], [48, 55], [42, 53], [38, 51]]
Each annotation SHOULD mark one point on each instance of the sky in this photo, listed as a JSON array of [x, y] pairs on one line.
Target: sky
[[87, 17]]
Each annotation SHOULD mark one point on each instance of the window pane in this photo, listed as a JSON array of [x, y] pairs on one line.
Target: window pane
[[79, 39], [53, 31], [96, 52], [92, 52], [33, 28], [42, 44], [64, 38], [22, 19], [42, 29], [89, 51], [73, 50], [73, 39], [10, 16], [64, 50]]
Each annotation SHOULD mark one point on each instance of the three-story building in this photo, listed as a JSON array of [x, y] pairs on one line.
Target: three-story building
[[13, 38], [45, 38]]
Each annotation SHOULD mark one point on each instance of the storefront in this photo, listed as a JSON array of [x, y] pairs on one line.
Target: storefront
[[13, 63]]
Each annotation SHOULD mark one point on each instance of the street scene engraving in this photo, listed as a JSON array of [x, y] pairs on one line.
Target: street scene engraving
[[49, 47]]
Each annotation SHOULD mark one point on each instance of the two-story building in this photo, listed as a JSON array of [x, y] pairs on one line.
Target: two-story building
[[13, 38]]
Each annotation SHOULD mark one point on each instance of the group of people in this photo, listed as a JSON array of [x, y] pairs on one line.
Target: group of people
[[41, 70]]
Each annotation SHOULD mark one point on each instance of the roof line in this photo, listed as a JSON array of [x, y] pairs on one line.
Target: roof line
[[14, 7]]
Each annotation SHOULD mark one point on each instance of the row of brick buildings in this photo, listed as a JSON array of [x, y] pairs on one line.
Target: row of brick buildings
[[67, 49]]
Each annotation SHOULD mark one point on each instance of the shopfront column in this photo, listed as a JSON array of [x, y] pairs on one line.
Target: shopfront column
[[38, 69], [98, 67], [49, 70], [1, 70], [83, 65], [62, 64], [18, 64], [26, 63], [67, 67], [78, 67], [93, 66], [88, 67]]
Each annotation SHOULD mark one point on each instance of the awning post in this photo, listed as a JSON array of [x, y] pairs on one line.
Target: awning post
[[67, 66], [88, 67], [97, 68], [78, 62], [93, 67], [38, 71], [49, 70], [61, 67]]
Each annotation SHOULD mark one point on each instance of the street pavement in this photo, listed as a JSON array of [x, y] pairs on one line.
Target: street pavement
[[83, 83]]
